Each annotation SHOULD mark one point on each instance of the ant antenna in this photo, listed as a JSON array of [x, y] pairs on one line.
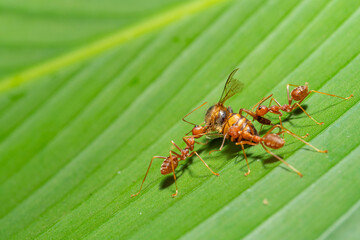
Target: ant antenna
[[188, 132], [192, 112]]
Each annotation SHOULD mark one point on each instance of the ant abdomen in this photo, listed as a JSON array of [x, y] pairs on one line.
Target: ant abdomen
[[166, 166], [299, 93], [274, 141]]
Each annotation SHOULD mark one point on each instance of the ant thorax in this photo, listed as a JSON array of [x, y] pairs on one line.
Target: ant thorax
[[215, 117]]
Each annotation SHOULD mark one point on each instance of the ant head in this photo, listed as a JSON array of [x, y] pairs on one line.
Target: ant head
[[197, 130], [261, 110]]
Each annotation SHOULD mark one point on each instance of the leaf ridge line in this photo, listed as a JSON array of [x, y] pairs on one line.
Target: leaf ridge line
[[107, 128], [95, 169], [341, 220], [282, 208], [265, 39], [335, 74], [117, 38], [324, 42]]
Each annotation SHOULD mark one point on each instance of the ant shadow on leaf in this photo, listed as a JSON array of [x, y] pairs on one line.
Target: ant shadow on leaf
[[231, 151], [298, 112]]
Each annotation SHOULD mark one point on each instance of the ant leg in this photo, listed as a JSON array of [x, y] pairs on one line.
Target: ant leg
[[134, 195], [281, 160], [173, 143], [242, 146], [204, 163], [300, 139], [261, 120], [273, 99], [222, 145], [201, 143], [314, 91], [172, 166], [282, 128], [178, 155], [288, 91], [248, 112], [192, 112], [246, 142], [277, 103], [332, 95], [251, 113], [252, 109], [260, 128], [298, 136], [298, 105], [280, 115], [194, 136], [271, 129]]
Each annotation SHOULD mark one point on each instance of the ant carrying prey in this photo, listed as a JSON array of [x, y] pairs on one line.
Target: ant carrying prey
[[222, 121], [240, 130]]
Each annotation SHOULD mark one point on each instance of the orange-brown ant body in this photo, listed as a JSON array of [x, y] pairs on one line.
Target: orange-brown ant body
[[298, 94], [171, 162]]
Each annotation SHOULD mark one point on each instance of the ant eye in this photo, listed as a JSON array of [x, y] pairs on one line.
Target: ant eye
[[259, 107]]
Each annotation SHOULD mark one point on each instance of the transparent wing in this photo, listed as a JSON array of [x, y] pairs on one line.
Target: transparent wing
[[211, 136], [232, 87]]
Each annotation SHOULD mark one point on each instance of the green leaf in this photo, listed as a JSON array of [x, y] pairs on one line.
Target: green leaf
[[91, 91]]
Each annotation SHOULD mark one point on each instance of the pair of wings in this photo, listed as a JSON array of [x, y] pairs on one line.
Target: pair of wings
[[232, 87]]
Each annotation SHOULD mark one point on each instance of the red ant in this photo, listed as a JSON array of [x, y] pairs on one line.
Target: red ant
[[171, 162], [298, 94]]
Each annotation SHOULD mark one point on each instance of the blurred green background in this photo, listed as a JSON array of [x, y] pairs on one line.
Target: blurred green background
[[90, 91]]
